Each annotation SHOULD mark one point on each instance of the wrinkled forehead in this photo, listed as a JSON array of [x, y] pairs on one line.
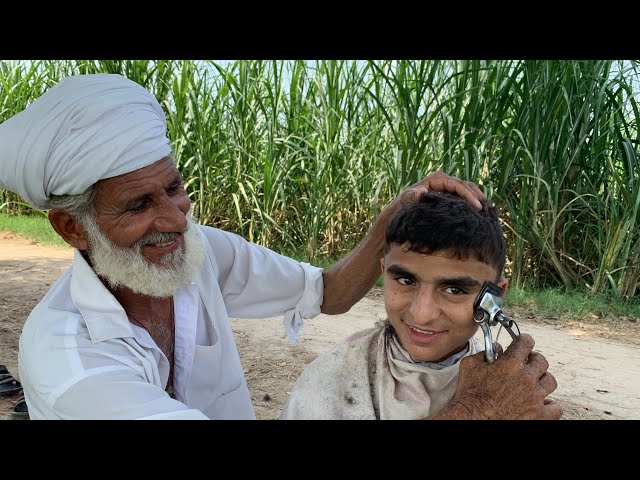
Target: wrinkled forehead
[[144, 181]]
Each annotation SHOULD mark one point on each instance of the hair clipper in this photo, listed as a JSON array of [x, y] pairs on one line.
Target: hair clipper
[[487, 312]]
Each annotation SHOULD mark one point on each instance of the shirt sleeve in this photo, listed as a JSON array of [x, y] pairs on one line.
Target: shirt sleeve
[[309, 304], [257, 282]]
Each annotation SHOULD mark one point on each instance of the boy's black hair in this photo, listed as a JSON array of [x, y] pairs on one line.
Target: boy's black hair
[[445, 222]]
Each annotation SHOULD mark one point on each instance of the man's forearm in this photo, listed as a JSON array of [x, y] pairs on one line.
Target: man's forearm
[[351, 278]]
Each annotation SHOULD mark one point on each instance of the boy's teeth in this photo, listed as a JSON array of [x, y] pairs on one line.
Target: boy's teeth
[[421, 331]]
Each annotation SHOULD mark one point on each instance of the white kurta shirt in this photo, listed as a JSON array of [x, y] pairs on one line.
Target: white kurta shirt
[[81, 358]]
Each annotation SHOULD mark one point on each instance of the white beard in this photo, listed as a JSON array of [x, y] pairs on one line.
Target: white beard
[[127, 267]]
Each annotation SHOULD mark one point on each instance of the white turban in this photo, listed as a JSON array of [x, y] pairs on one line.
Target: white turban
[[84, 129]]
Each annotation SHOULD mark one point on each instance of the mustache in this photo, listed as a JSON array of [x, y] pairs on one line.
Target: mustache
[[160, 237]]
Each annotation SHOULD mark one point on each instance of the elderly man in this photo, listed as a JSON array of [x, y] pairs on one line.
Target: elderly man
[[138, 327]]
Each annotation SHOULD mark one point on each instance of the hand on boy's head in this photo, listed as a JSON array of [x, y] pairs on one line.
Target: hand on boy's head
[[441, 182]]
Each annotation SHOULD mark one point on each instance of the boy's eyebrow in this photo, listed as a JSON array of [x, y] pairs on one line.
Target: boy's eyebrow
[[464, 281], [398, 270]]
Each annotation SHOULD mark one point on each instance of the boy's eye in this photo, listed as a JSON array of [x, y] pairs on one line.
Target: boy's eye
[[455, 290], [404, 281]]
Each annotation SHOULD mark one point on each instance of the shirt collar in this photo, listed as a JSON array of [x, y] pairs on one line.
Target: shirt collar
[[104, 316]]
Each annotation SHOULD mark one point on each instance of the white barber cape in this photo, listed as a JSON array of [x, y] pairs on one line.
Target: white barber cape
[[370, 376], [81, 358]]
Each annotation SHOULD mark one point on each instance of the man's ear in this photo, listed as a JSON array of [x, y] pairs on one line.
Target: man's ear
[[68, 228], [503, 284], [382, 265]]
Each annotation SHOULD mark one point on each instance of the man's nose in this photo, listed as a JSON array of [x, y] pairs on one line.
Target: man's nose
[[171, 214], [425, 306]]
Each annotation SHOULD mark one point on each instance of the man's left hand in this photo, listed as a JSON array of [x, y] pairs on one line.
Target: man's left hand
[[441, 182]]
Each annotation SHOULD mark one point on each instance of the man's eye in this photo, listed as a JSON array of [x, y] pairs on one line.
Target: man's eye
[[138, 207], [174, 189]]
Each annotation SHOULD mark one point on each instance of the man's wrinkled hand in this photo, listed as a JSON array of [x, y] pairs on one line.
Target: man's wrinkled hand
[[441, 182], [514, 387]]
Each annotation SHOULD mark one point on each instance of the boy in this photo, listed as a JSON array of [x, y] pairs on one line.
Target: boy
[[437, 255]]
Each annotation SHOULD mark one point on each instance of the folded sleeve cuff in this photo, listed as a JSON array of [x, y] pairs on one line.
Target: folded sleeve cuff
[[309, 304]]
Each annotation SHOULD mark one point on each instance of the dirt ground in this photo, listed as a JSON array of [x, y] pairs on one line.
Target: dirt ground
[[596, 362]]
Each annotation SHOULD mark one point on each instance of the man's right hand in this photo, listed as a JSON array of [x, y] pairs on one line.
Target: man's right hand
[[514, 387]]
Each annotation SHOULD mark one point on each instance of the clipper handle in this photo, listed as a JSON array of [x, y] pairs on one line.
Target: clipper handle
[[487, 313]]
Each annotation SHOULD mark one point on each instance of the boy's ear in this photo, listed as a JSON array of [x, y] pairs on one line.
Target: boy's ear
[[382, 265], [68, 228], [503, 284]]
